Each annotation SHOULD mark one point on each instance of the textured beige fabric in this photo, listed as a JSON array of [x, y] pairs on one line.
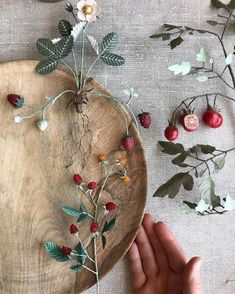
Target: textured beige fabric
[[213, 237]]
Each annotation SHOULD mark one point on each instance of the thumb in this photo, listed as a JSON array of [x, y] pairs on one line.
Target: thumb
[[192, 278]]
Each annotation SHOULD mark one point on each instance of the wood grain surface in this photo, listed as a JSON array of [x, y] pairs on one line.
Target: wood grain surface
[[36, 177]]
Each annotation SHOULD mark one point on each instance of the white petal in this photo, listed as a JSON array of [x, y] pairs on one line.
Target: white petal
[[81, 15], [126, 92], [91, 3], [229, 59], [81, 4], [91, 17]]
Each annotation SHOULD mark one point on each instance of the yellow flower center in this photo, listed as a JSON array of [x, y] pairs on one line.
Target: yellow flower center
[[87, 9]]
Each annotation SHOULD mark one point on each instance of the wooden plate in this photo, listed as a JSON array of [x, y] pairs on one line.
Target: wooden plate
[[36, 177]]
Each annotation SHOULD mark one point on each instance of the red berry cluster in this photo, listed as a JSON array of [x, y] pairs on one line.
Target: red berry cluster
[[78, 181], [190, 122], [110, 206]]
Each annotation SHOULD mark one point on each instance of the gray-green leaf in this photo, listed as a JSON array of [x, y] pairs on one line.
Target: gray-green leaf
[[54, 251], [218, 4], [112, 59], [207, 189], [176, 42], [219, 164], [82, 252], [171, 148], [109, 43], [70, 210], [46, 48], [109, 225], [180, 159], [65, 27], [76, 268], [47, 66], [65, 46], [212, 22]]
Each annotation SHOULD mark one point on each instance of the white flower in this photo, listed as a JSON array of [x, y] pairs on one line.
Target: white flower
[[88, 10], [42, 125], [18, 119], [130, 92]]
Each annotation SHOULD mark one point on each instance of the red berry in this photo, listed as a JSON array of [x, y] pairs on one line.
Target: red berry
[[128, 143], [77, 179], [66, 250], [16, 100], [94, 227], [171, 133], [92, 186], [145, 119], [73, 229], [110, 206], [212, 118], [191, 122]]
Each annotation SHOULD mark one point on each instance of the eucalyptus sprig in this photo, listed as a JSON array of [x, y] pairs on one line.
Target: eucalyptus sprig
[[199, 163]]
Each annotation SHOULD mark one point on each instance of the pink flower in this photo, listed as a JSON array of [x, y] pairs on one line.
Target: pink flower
[[88, 10]]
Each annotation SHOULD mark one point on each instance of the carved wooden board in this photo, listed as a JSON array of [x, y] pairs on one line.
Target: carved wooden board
[[36, 177]]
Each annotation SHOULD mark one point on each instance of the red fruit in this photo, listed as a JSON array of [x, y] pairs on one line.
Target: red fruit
[[66, 250], [145, 119], [92, 186], [16, 100], [110, 206], [128, 143], [77, 179], [94, 227], [212, 118], [191, 122], [171, 133], [73, 229]]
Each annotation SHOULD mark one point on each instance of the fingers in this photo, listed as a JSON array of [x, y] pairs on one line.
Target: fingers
[[175, 255], [146, 253], [160, 255], [137, 273], [192, 278]]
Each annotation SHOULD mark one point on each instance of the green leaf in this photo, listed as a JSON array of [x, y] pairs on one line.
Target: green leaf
[[176, 42], [109, 225], [83, 213], [188, 182], [65, 27], [109, 43], [46, 48], [187, 207], [70, 210], [65, 46], [171, 148], [169, 27], [212, 22], [231, 4], [217, 4], [207, 189], [180, 159], [219, 163], [104, 241], [190, 204], [54, 251], [112, 59], [76, 268], [164, 36], [47, 66], [207, 149], [82, 252], [172, 186]]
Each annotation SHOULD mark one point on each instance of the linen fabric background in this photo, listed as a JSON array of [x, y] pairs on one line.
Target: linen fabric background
[[22, 22]]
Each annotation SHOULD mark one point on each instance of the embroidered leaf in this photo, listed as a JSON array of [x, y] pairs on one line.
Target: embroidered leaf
[[172, 186], [217, 4], [65, 46], [170, 27], [202, 206], [65, 28], [229, 59], [109, 43], [212, 22], [180, 159], [47, 66], [229, 203], [203, 55], [46, 48], [54, 251], [190, 204], [171, 148], [176, 42], [219, 164], [94, 44], [109, 225], [70, 210], [183, 68], [76, 268], [77, 29], [164, 36], [206, 149], [207, 189], [82, 252], [104, 241], [231, 4], [187, 207], [202, 78], [112, 59], [188, 182], [83, 213]]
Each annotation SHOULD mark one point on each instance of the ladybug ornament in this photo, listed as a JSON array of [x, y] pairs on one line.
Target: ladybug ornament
[[16, 100]]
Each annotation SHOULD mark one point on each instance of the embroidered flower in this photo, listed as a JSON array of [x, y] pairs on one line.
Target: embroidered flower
[[88, 10], [42, 125], [18, 119], [126, 180]]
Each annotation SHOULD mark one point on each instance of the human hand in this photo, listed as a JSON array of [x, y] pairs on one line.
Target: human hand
[[159, 265]]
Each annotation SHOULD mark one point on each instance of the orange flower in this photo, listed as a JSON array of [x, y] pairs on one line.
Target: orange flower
[[102, 157], [123, 160], [126, 180]]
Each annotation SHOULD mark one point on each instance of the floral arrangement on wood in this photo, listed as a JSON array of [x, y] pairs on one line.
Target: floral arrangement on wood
[[102, 219], [200, 161]]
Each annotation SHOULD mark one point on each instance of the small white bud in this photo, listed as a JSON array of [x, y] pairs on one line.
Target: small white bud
[[18, 119], [42, 124]]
